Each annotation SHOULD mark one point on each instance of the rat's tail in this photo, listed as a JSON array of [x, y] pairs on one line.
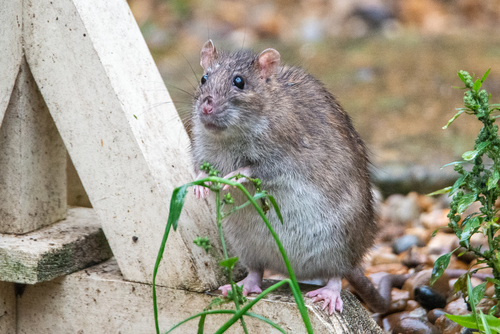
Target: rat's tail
[[379, 300]]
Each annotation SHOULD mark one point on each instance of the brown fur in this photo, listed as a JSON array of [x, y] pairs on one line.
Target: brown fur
[[298, 140]]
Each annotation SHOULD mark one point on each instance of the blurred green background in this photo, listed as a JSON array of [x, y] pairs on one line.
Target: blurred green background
[[391, 64]]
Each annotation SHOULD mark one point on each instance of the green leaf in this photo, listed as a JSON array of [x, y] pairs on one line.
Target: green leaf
[[466, 201], [460, 284], [458, 183], [478, 293], [452, 119], [483, 145], [493, 310], [440, 192], [454, 163], [493, 280], [477, 85], [259, 195], [176, 204], [460, 75], [229, 263], [493, 180], [469, 155], [487, 329], [490, 323], [439, 266], [485, 75], [467, 321], [276, 208], [471, 300], [469, 227]]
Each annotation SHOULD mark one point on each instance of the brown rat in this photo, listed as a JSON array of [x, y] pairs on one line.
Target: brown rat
[[279, 124]]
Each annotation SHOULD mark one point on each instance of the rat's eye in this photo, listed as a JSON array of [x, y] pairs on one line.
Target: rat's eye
[[238, 82], [204, 79]]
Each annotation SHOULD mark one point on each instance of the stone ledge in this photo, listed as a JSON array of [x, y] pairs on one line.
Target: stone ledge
[[99, 300], [60, 249]]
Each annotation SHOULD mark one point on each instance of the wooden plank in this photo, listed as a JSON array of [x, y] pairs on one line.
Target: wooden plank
[[32, 161], [119, 306], [123, 134], [11, 48], [62, 248]]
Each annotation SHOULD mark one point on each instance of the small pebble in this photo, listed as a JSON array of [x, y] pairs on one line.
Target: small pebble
[[486, 304], [409, 323], [442, 243], [428, 298], [435, 219], [411, 305], [422, 278], [432, 315], [402, 210], [457, 307], [446, 326], [405, 242], [399, 300]]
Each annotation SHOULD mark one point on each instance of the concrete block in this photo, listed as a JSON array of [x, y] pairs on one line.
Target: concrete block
[[123, 134], [11, 52], [77, 196], [60, 249], [32, 161], [8, 312], [117, 306]]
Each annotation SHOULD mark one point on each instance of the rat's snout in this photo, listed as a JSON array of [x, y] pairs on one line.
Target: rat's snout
[[207, 107]]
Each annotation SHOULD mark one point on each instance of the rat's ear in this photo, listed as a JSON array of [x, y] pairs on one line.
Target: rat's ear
[[208, 54], [268, 62]]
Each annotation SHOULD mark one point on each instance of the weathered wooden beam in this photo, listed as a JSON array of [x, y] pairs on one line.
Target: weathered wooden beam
[[117, 306], [62, 248], [123, 134], [32, 161]]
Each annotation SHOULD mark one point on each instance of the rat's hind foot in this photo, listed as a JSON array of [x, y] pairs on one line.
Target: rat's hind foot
[[330, 294], [251, 284]]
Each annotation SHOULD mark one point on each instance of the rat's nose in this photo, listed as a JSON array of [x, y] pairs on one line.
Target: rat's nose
[[207, 106]]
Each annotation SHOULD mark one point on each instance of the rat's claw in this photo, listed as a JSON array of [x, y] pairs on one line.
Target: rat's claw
[[225, 289], [201, 191], [251, 284]]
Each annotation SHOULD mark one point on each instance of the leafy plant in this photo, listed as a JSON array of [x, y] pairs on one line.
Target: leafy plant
[[477, 320], [235, 295], [479, 183]]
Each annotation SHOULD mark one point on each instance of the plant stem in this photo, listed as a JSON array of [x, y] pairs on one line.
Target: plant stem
[[294, 283], [248, 306], [229, 273]]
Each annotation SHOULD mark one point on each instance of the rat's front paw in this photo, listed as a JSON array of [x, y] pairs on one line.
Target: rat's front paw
[[330, 294], [201, 191], [245, 171]]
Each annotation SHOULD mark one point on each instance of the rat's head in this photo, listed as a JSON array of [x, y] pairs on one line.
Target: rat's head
[[233, 91]]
